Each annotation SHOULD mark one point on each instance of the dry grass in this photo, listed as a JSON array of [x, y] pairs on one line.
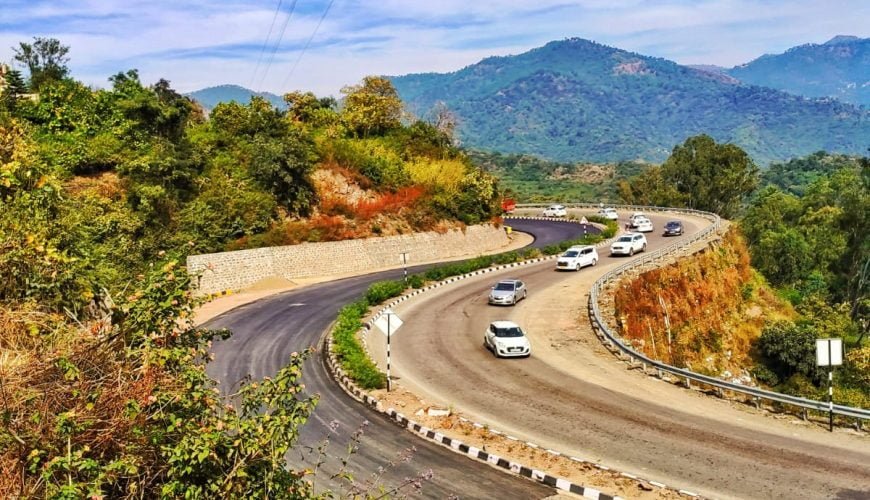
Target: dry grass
[[715, 303]]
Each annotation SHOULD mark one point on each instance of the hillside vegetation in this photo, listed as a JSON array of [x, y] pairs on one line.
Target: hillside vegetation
[[576, 100], [529, 179], [808, 243], [102, 194], [838, 68]]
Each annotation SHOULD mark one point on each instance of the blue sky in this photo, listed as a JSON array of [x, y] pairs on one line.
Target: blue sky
[[198, 43]]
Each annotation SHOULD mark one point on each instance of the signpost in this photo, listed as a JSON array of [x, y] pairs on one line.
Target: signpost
[[584, 222], [404, 256], [829, 352], [388, 322]]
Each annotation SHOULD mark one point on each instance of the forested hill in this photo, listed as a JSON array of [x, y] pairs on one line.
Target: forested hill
[[210, 97], [579, 100], [838, 68]]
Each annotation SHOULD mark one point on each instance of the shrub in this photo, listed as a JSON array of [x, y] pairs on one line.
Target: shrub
[[416, 281], [383, 290], [350, 353]]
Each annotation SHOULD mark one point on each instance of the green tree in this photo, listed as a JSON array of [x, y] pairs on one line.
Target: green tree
[[15, 88], [45, 58], [372, 107], [713, 177]]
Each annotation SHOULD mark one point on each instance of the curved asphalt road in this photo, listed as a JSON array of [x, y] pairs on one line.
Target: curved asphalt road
[[557, 408], [267, 331]]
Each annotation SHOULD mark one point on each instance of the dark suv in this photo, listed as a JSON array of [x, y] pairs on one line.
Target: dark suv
[[673, 228]]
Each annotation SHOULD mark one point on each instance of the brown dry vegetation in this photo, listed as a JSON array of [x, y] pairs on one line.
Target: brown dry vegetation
[[715, 303]]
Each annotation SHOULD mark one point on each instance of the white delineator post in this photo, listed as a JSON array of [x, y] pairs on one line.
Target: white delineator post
[[388, 322]]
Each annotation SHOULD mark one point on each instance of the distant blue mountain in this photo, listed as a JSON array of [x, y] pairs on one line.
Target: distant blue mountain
[[838, 68], [210, 97], [577, 100]]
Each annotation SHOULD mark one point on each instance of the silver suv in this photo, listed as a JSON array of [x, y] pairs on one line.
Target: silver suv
[[628, 243]]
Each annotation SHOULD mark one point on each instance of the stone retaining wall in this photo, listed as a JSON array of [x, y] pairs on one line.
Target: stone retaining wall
[[242, 268]]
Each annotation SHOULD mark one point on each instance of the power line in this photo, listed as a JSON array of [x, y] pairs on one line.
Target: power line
[[299, 58], [265, 43], [278, 43]]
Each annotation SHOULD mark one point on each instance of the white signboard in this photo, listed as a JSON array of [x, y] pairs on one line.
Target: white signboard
[[584, 221], [388, 322], [829, 352]]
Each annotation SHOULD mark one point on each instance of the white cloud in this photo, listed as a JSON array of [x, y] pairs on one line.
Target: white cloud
[[200, 43]]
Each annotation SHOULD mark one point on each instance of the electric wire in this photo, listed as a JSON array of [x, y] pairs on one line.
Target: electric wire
[[265, 44], [278, 42], [299, 58]]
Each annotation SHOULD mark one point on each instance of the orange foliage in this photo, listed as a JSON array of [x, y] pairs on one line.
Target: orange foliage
[[388, 203], [705, 298]]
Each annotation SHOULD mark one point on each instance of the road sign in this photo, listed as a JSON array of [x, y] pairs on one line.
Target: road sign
[[584, 221], [829, 352], [388, 322]]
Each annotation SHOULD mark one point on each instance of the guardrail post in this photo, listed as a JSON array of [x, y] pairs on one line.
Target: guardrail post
[[688, 383], [757, 402], [804, 414]]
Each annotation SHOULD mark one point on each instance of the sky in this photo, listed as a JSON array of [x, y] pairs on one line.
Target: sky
[[323, 45]]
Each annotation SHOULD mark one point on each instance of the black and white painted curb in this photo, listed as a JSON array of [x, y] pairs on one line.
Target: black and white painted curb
[[458, 446]]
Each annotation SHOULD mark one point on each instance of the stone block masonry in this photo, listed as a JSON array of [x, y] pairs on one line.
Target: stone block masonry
[[243, 268]]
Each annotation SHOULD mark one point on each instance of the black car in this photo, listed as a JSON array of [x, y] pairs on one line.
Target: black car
[[673, 228]]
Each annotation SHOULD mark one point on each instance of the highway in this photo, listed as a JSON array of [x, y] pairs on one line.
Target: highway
[[267, 331], [574, 397]]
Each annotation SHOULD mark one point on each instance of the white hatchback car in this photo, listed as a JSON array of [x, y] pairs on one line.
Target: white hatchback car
[[506, 339], [628, 244], [642, 225], [609, 213], [576, 257], [555, 211]]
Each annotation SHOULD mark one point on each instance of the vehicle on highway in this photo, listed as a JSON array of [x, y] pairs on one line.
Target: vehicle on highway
[[506, 339], [673, 228], [608, 213], [507, 292], [628, 244], [555, 211], [576, 257], [642, 225], [636, 215]]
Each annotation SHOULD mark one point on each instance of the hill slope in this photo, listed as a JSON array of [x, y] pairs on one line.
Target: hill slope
[[211, 96], [579, 100], [839, 68]]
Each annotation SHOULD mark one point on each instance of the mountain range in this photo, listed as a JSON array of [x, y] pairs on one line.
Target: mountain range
[[579, 100], [576, 100], [838, 68]]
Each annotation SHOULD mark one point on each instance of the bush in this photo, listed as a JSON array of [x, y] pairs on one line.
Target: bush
[[416, 281], [350, 353], [383, 290]]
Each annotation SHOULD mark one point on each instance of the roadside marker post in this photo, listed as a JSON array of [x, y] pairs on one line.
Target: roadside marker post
[[388, 322], [829, 352], [404, 256]]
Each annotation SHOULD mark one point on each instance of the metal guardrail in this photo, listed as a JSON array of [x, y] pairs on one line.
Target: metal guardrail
[[614, 340]]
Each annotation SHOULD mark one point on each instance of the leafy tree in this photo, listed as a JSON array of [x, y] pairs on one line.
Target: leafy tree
[[713, 177], [282, 167], [15, 88], [372, 107], [790, 349], [699, 174], [45, 58]]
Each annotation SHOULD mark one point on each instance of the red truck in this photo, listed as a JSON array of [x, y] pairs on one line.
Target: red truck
[[508, 205]]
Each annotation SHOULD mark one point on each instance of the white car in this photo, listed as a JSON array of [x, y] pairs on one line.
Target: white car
[[506, 339], [608, 213], [555, 211], [642, 225], [635, 216], [628, 244], [576, 257]]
